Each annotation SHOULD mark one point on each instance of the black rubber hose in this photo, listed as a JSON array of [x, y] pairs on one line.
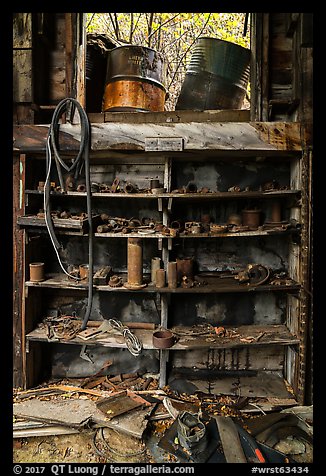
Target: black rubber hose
[[83, 153]]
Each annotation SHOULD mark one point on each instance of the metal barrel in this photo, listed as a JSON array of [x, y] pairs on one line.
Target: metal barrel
[[135, 80], [217, 76]]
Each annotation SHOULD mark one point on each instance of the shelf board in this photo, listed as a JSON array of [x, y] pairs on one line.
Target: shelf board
[[214, 285], [180, 196], [39, 227], [270, 335], [80, 226]]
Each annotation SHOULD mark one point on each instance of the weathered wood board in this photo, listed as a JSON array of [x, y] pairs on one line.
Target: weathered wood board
[[254, 137], [77, 413]]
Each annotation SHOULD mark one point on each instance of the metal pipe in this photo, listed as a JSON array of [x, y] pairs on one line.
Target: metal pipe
[[160, 278], [156, 264], [172, 275], [135, 262]]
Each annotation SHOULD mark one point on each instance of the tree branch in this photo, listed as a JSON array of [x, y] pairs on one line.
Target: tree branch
[[150, 24], [191, 44]]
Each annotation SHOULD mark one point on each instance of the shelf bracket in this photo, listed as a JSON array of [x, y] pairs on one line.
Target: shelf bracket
[[169, 244], [160, 204], [170, 204], [27, 346], [160, 244]]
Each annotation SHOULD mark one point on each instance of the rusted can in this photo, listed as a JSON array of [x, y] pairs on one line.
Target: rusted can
[[163, 339], [135, 80], [217, 76], [251, 218], [36, 272], [276, 211]]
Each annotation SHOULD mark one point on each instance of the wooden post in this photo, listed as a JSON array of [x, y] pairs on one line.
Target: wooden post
[[18, 274]]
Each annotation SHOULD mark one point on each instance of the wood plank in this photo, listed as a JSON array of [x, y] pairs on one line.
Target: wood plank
[[22, 76], [44, 430], [263, 385], [262, 138], [230, 439], [241, 336], [22, 30], [227, 115], [177, 196], [77, 413], [214, 285], [254, 358], [18, 271]]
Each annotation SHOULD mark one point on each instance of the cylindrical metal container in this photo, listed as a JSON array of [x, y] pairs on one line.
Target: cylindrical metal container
[[135, 80], [217, 76], [160, 278], [156, 264], [185, 268], [135, 262], [36, 272], [251, 218], [276, 215], [163, 339], [172, 275]]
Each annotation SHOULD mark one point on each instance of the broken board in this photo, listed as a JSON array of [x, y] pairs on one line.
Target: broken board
[[78, 413]]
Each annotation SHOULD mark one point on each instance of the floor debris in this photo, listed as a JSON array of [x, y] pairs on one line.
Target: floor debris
[[108, 412]]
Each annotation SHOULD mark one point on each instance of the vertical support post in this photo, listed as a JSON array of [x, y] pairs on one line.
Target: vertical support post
[[19, 359], [164, 353]]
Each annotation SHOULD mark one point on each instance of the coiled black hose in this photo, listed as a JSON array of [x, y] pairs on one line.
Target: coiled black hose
[[82, 159]]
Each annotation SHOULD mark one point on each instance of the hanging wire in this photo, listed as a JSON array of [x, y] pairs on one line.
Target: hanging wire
[[80, 161]]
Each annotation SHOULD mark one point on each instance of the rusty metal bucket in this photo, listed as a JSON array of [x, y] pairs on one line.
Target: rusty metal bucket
[[135, 80], [217, 76]]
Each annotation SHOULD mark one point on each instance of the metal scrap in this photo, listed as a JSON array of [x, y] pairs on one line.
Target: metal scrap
[[63, 327]]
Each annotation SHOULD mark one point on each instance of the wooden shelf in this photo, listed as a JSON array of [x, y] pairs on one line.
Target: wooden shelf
[[214, 285], [62, 224], [270, 335], [179, 196]]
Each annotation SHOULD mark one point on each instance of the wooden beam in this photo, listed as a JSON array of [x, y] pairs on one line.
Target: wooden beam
[[18, 271], [22, 76], [22, 30], [259, 138]]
